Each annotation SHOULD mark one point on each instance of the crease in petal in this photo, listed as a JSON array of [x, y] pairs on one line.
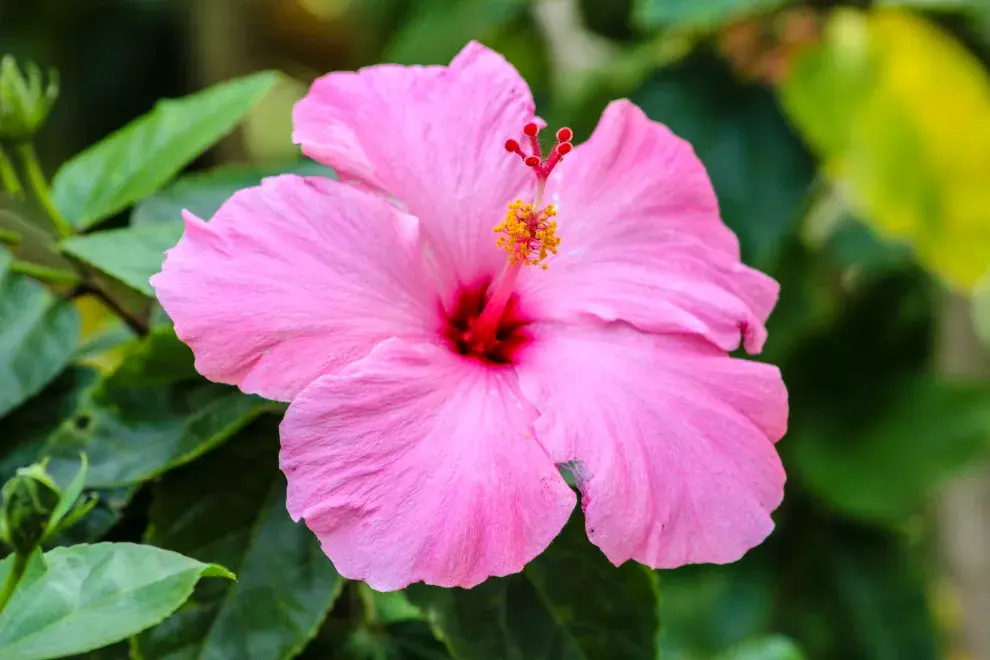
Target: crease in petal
[[642, 241], [672, 440], [292, 280], [433, 139], [416, 464]]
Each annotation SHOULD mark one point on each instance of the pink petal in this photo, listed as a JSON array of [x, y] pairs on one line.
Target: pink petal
[[642, 242], [672, 439], [292, 280], [433, 138], [416, 464]]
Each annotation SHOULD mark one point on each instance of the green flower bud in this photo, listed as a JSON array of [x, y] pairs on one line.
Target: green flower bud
[[24, 101], [29, 499]]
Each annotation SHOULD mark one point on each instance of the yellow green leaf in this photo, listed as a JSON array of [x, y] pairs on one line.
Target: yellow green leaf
[[900, 113]]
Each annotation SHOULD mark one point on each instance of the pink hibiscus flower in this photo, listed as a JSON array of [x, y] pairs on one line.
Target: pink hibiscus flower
[[439, 372]]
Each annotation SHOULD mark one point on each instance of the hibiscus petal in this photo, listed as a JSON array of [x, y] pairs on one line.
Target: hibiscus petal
[[418, 464], [433, 138], [292, 280], [672, 440], [642, 242]]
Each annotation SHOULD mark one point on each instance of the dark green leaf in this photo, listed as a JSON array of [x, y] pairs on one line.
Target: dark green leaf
[[87, 596], [230, 508], [885, 470], [29, 427], [760, 171], [865, 582], [438, 29], [569, 603], [609, 18], [709, 609], [34, 229], [768, 648], [144, 155], [147, 417], [652, 14], [38, 336], [203, 193]]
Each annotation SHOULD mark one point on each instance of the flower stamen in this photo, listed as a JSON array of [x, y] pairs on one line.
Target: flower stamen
[[529, 237]]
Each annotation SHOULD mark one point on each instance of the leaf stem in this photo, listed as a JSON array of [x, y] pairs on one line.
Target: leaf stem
[[15, 575], [39, 185], [8, 175], [43, 273], [8, 237]]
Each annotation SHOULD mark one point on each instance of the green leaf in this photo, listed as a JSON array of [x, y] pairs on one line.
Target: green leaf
[[868, 583], [653, 14], [203, 193], [38, 336], [148, 416], [87, 596], [570, 602], [708, 609], [69, 495], [768, 648], [144, 155], [131, 255], [286, 584], [26, 431], [760, 171], [438, 29], [34, 229], [885, 470]]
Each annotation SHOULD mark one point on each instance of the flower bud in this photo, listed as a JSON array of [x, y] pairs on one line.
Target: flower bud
[[28, 501], [24, 101]]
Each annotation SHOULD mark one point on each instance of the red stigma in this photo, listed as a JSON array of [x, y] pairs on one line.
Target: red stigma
[[535, 160]]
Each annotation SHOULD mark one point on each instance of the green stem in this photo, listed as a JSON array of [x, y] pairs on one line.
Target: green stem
[[39, 185], [8, 237], [15, 575], [43, 273], [8, 175]]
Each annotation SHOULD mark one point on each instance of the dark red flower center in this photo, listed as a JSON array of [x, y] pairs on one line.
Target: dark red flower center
[[496, 344]]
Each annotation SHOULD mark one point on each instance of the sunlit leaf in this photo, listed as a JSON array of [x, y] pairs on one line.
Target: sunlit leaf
[[144, 155], [87, 596], [38, 335], [899, 110], [285, 586]]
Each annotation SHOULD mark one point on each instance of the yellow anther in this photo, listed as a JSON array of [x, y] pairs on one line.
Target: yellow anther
[[528, 237]]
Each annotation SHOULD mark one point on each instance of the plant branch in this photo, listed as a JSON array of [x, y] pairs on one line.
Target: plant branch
[[8, 175], [39, 186], [43, 273], [137, 325]]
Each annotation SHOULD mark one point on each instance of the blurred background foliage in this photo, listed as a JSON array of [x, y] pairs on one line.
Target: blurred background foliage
[[849, 144]]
